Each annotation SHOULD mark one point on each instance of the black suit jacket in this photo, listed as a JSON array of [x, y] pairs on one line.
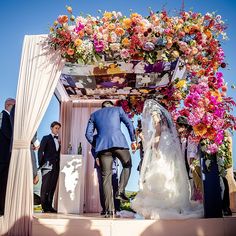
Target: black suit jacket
[[47, 150], [5, 137]]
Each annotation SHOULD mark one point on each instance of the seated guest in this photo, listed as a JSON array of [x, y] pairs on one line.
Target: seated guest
[[6, 133], [49, 158], [114, 181]]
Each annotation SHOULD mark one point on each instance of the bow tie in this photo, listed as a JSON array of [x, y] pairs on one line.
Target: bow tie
[[55, 136]]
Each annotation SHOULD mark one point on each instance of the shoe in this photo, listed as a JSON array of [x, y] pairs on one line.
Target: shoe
[[51, 210], [227, 212], [46, 211], [122, 197], [103, 212], [108, 214], [111, 214]]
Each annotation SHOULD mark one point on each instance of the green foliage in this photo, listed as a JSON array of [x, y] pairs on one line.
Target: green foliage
[[126, 205]]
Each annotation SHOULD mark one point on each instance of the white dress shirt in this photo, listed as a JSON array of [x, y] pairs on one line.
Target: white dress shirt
[[55, 141]]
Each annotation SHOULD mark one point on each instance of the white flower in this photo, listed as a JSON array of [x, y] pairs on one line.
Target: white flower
[[218, 17], [115, 46], [113, 36], [146, 23], [81, 20]]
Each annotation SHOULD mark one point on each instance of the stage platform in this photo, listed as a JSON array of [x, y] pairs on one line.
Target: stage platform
[[96, 225]]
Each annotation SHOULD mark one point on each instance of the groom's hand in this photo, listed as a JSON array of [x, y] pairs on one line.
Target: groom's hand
[[97, 161], [133, 146]]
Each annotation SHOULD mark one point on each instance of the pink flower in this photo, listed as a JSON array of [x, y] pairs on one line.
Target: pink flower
[[212, 148], [124, 53], [208, 119], [219, 112], [218, 124], [193, 119], [79, 27], [98, 45], [219, 137], [192, 99]]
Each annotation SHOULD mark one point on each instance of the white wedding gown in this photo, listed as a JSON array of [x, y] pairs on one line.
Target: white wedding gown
[[164, 187]]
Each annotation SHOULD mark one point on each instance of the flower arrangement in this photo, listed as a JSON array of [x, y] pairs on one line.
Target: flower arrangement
[[192, 37], [132, 105], [223, 156]]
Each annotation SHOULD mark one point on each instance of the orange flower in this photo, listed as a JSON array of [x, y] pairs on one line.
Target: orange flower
[[208, 34], [200, 129], [111, 26], [70, 51], [78, 42], [126, 42], [134, 15], [186, 29], [119, 31], [81, 33], [211, 133], [62, 19], [217, 94], [127, 23]]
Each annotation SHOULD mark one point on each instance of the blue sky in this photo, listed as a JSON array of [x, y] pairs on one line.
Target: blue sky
[[35, 17]]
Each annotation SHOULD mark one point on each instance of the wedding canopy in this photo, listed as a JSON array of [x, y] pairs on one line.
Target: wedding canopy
[[157, 40]]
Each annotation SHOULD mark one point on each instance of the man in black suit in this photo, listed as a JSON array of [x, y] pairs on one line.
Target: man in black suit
[[49, 160], [5, 142]]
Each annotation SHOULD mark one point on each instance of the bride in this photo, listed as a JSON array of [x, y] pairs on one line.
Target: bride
[[164, 191]]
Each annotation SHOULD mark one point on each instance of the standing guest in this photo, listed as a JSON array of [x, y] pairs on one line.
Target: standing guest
[[34, 145], [49, 160], [190, 150], [111, 142], [228, 163], [6, 132], [139, 136]]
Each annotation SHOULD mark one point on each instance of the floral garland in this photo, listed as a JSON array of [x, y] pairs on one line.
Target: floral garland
[[192, 37], [132, 105]]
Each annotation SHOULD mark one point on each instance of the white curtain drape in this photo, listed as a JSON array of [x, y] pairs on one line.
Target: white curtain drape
[[39, 73]]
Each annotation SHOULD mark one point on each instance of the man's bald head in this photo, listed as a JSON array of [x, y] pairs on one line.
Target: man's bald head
[[9, 103]]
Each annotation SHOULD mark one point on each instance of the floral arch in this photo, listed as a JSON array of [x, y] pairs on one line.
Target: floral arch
[[192, 38]]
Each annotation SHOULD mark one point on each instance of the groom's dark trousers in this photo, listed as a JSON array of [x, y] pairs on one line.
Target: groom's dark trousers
[[106, 161]]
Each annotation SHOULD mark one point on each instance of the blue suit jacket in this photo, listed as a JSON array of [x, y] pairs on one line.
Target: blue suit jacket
[[107, 122]]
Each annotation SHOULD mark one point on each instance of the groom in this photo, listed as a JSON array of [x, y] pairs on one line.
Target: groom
[[111, 142]]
